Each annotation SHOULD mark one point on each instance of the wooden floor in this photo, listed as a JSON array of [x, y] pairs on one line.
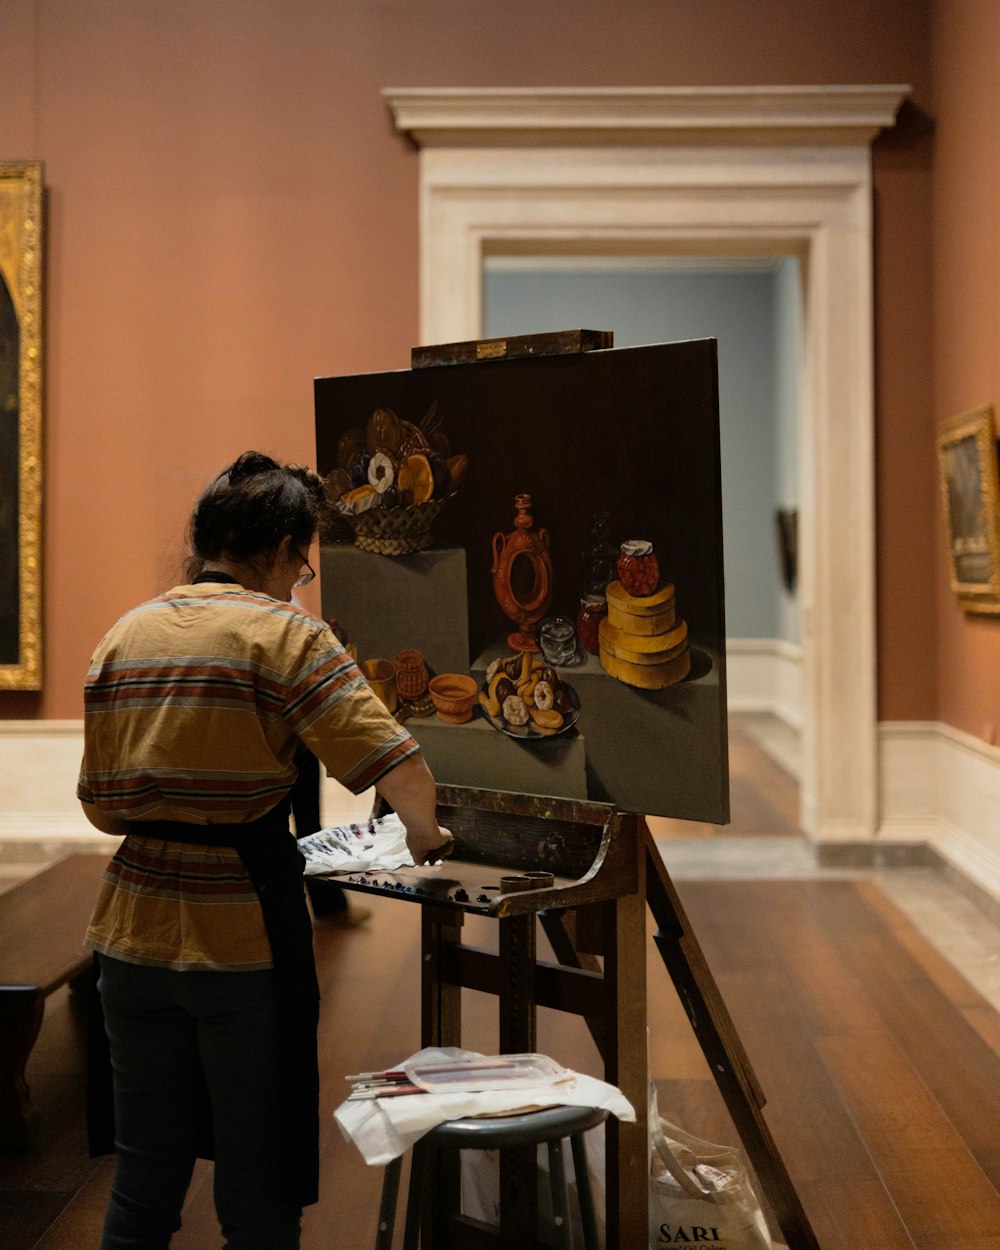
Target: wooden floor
[[880, 1063]]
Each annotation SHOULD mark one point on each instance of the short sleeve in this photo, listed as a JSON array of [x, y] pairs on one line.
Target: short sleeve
[[332, 709]]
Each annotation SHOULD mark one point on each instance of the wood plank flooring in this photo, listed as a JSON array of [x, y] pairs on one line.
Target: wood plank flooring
[[879, 1061]]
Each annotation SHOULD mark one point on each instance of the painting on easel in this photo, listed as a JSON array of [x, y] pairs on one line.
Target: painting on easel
[[532, 544]]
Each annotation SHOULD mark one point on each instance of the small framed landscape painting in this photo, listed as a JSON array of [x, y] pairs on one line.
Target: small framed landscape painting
[[967, 459]]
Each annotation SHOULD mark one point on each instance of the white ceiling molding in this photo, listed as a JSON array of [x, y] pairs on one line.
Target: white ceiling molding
[[632, 264], [692, 172], [528, 116]]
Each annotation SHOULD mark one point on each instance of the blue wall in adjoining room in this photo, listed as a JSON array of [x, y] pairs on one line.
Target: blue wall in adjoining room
[[753, 314], [788, 297]]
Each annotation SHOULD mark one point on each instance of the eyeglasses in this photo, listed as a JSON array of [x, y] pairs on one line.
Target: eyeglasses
[[304, 578]]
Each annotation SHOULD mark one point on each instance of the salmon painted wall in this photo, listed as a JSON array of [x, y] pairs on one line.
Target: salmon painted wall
[[966, 315], [230, 214]]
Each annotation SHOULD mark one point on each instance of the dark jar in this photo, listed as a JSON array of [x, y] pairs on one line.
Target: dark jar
[[599, 558], [588, 621], [638, 568]]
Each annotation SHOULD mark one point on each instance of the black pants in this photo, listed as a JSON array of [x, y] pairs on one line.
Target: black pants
[[171, 1034], [325, 897]]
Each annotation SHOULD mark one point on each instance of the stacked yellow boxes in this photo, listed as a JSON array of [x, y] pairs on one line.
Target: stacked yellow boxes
[[643, 641]]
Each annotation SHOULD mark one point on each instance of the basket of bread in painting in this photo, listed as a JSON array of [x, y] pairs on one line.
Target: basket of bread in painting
[[392, 479]]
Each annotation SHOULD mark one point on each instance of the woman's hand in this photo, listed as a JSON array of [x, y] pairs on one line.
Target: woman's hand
[[430, 847], [410, 791]]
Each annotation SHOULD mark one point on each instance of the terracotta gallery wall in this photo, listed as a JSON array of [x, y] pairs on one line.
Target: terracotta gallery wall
[[230, 213], [966, 315]]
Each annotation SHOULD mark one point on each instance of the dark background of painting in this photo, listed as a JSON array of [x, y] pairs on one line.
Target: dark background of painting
[[632, 431], [10, 597]]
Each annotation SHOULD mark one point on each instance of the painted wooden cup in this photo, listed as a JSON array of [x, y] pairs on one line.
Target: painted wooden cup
[[382, 679], [411, 675]]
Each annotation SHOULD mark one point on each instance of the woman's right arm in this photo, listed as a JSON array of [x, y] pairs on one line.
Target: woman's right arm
[[356, 739], [410, 791]]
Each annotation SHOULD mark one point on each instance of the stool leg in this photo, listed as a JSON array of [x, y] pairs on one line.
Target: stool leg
[[415, 1206], [583, 1194], [518, 1196], [387, 1209], [560, 1202]]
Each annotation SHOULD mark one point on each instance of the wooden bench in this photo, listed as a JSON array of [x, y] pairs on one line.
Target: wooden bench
[[42, 923]]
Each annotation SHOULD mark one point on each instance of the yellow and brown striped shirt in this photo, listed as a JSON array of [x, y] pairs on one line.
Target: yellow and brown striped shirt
[[195, 705]]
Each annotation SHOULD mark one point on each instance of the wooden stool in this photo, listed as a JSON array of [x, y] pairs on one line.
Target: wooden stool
[[533, 1128]]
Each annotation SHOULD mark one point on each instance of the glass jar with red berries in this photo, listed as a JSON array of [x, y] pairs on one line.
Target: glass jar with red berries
[[638, 568]]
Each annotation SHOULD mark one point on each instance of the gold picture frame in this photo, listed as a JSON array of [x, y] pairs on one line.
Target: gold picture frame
[[21, 240], [967, 459]]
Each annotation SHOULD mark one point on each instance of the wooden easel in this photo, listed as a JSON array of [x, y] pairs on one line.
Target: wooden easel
[[605, 872], [610, 994]]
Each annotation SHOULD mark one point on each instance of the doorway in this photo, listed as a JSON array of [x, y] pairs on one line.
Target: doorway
[[731, 171], [752, 307]]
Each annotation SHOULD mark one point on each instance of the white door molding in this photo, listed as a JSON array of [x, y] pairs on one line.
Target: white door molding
[[717, 171]]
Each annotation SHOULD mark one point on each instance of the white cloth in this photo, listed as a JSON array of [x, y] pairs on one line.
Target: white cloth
[[384, 1128], [376, 846]]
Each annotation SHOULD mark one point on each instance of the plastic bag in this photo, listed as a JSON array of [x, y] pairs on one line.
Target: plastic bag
[[699, 1193]]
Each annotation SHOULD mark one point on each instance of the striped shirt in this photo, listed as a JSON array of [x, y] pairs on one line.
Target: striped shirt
[[194, 707]]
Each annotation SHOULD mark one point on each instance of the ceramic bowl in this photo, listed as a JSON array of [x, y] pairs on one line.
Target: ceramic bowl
[[454, 696]]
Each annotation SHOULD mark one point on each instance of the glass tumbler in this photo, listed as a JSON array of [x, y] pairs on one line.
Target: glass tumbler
[[558, 640]]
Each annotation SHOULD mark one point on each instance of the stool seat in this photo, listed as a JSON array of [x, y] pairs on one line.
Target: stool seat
[[526, 1128], [549, 1126]]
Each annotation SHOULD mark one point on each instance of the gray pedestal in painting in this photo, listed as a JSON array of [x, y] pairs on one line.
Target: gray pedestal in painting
[[389, 603], [475, 754], [664, 741], [668, 743]]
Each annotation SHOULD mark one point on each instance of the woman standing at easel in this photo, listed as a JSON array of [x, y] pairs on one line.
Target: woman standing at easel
[[196, 704]]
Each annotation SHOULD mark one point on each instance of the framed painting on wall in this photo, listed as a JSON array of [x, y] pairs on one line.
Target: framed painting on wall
[[967, 458], [20, 424]]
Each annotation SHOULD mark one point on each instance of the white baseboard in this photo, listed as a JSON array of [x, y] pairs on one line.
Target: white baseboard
[[39, 766], [765, 675], [938, 785], [40, 760], [40, 816], [942, 786]]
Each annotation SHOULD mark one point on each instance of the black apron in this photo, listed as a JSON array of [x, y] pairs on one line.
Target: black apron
[[274, 865]]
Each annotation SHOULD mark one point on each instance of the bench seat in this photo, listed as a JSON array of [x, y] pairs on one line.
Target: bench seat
[[42, 923]]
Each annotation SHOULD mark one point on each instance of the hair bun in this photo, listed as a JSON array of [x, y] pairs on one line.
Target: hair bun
[[249, 465], [251, 506]]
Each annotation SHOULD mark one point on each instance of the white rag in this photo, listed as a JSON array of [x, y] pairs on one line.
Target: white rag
[[384, 1128], [376, 846]]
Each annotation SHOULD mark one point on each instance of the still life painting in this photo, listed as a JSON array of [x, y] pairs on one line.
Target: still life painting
[[532, 547]]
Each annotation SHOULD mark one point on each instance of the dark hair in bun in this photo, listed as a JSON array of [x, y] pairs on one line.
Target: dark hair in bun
[[249, 509]]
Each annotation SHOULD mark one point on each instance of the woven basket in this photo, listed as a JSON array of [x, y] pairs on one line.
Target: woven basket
[[395, 531]]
